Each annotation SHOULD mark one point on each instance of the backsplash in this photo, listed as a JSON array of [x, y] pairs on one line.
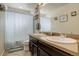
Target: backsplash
[[75, 36]]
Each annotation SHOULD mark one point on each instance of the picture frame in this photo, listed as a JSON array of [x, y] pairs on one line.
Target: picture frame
[[63, 18], [55, 18], [74, 13]]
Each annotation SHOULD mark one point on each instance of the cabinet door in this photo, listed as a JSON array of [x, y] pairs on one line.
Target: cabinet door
[[42, 53], [31, 42], [34, 50]]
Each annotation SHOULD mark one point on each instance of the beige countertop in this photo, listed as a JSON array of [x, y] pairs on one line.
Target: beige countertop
[[69, 48]]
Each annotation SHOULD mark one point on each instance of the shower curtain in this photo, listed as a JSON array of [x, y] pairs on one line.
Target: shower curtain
[[17, 27]]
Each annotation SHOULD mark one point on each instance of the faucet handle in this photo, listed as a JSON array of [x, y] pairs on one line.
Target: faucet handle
[[63, 35]]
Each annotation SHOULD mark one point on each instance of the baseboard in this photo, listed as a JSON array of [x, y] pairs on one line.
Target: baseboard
[[2, 53]]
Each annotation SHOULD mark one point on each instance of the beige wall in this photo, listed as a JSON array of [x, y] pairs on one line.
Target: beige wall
[[1, 32], [72, 25]]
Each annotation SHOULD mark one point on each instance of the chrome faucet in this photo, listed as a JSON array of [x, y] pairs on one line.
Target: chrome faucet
[[62, 34]]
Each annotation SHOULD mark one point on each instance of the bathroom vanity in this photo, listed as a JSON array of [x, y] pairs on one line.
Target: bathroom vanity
[[41, 47]]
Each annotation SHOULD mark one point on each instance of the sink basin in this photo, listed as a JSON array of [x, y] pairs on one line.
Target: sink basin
[[59, 39]]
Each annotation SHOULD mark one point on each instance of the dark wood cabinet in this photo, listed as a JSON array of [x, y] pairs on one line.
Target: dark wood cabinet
[[39, 48], [41, 52], [34, 50], [33, 46]]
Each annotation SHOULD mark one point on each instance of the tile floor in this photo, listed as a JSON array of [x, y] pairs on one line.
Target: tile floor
[[19, 53]]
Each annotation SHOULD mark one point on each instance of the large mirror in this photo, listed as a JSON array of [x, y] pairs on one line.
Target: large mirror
[[60, 17]]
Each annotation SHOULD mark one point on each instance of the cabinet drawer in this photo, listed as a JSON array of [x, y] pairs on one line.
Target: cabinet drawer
[[42, 53], [34, 40]]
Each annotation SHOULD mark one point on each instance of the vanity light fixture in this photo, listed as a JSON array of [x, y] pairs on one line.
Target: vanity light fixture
[[20, 7]]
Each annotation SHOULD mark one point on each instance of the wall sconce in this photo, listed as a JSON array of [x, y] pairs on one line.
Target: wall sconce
[[38, 26]]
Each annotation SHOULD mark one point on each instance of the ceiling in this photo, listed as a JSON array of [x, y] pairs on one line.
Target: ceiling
[[49, 7], [23, 6], [53, 6]]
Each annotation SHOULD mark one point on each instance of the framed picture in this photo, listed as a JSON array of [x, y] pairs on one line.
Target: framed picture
[[63, 18], [55, 18], [73, 13]]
